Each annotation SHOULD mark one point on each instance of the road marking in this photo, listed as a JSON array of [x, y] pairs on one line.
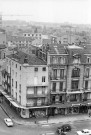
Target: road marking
[[49, 133], [45, 125]]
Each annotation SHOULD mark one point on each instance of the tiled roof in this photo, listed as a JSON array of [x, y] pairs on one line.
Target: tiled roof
[[46, 41], [56, 49], [32, 59], [2, 46]]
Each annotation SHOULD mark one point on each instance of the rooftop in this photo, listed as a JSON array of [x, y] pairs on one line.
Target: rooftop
[[31, 59]]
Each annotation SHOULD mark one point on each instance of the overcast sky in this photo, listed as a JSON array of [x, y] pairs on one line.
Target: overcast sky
[[59, 11]]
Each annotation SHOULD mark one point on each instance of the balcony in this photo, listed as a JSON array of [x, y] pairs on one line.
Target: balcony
[[37, 85], [57, 78], [58, 91], [36, 105], [36, 95]]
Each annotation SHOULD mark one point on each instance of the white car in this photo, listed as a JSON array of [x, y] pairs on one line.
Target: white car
[[8, 122], [84, 132]]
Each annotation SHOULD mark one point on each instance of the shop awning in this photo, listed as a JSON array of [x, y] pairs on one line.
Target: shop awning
[[66, 105], [14, 104]]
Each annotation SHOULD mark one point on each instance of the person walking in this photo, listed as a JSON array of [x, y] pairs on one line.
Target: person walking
[[89, 112]]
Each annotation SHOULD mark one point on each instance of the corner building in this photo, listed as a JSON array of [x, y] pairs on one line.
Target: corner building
[[26, 85]]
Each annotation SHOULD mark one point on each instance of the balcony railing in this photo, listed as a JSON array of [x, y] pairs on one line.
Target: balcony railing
[[57, 78], [36, 95], [35, 104]]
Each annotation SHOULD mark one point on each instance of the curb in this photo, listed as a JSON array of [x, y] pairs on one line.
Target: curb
[[39, 123], [5, 111]]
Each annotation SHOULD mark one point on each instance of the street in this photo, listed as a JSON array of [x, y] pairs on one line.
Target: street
[[32, 130]]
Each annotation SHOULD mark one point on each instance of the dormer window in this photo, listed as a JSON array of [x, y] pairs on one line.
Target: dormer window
[[88, 59], [61, 60], [54, 60], [76, 58]]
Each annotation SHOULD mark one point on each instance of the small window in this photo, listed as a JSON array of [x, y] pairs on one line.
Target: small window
[[16, 84], [44, 69], [88, 60], [20, 67], [16, 65], [43, 78], [36, 69]]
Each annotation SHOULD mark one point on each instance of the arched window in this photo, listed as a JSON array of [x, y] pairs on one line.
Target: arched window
[[76, 72]]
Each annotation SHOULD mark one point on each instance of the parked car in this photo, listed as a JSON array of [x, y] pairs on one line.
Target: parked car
[[64, 128], [84, 132], [8, 122]]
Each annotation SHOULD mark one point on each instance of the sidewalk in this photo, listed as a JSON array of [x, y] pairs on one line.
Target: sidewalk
[[35, 122]]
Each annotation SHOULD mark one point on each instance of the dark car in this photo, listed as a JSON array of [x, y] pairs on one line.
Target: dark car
[[64, 128]]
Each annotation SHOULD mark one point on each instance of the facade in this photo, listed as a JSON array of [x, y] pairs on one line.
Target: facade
[[55, 80], [19, 41], [26, 82], [69, 69]]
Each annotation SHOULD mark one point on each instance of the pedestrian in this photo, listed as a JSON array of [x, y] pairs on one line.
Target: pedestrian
[[89, 112]]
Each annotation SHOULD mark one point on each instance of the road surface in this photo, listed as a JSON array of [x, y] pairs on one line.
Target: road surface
[[32, 130]]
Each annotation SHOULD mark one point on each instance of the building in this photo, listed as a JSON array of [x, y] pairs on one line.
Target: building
[[19, 41], [69, 69], [26, 84]]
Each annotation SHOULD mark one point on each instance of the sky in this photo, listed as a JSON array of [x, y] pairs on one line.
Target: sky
[[56, 11]]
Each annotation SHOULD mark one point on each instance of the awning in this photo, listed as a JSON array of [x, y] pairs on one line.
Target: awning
[[14, 104], [76, 105], [66, 105]]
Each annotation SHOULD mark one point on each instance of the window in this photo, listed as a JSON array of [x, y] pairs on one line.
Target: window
[[16, 65], [74, 85], [16, 95], [88, 59], [61, 60], [16, 74], [16, 85], [12, 82], [36, 69], [20, 99], [20, 67], [61, 86], [61, 73], [44, 69], [86, 84], [43, 78], [54, 87], [87, 72], [76, 72], [20, 88], [55, 73]]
